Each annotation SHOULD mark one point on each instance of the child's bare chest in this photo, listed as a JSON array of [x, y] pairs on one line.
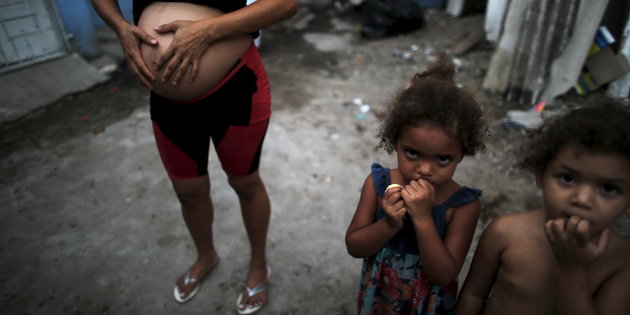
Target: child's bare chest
[[528, 269]]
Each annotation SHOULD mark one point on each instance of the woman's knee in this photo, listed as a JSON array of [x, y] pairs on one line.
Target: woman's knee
[[191, 193], [246, 187]]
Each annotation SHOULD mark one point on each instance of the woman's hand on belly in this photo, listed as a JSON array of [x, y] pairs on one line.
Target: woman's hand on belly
[[190, 42], [131, 37], [185, 52]]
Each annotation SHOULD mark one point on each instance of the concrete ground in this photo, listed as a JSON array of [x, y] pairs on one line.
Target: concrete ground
[[91, 226]]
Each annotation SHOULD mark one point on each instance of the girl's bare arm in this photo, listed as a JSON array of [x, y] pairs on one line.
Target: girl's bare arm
[[365, 236], [483, 271], [443, 259]]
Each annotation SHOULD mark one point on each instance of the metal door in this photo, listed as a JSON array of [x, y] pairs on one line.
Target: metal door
[[30, 32]]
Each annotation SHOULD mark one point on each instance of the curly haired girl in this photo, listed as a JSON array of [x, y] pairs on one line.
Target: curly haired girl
[[414, 224]]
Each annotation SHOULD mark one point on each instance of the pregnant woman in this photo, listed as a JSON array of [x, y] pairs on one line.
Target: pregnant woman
[[207, 84]]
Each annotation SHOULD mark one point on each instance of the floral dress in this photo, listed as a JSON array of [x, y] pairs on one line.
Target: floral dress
[[393, 280]]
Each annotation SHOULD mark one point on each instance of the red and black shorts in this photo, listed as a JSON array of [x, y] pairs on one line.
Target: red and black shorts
[[234, 114]]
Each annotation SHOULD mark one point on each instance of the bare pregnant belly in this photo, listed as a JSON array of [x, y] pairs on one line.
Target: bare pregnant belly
[[217, 61]]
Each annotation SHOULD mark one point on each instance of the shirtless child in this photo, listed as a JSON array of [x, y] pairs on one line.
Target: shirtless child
[[564, 258]]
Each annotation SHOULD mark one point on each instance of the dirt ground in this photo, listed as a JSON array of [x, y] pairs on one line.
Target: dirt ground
[[91, 226]]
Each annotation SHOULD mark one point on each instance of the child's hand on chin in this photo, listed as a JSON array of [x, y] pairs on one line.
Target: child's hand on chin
[[572, 243], [419, 196]]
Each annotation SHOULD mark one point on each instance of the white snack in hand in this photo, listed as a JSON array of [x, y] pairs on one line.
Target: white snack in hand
[[392, 186]]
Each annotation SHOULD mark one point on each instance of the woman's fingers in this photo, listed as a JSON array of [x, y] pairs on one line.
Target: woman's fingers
[[168, 27], [183, 55], [166, 54], [181, 70], [131, 40], [193, 71], [147, 38], [177, 66], [140, 68], [143, 79], [172, 60]]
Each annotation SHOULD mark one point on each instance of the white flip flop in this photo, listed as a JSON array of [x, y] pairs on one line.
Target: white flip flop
[[251, 292]]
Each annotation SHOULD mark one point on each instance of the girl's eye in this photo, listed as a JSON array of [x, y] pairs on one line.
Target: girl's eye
[[609, 189], [411, 153], [443, 160], [566, 178]]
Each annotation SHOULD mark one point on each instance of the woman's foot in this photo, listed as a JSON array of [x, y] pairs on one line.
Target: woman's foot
[[254, 296], [188, 284]]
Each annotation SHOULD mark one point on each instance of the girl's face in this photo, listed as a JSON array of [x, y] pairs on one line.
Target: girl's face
[[593, 186], [427, 152]]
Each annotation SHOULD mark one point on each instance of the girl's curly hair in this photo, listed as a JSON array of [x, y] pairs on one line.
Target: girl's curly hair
[[601, 126], [433, 97]]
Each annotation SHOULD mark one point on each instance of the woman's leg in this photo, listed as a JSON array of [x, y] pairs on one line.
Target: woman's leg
[[198, 213], [256, 210]]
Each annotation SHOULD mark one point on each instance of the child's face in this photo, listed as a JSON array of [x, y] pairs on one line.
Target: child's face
[[593, 186], [427, 152]]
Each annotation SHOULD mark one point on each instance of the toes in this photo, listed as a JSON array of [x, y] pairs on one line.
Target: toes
[[254, 301], [260, 301], [185, 290], [257, 300], [244, 301]]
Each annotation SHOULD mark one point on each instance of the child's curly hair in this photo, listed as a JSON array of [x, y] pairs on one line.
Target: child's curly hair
[[603, 126], [433, 97]]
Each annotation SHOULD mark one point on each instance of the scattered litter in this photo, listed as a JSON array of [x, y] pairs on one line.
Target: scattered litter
[[85, 118], [482, 70], [323, 178], [109, 68], [473, 35], [115, 88], [539, 107], [458, 64], [99, 130], [523, 119], [402, 54], [362, 107], [386, 18], [141, 114], [360, 59], [530, 119], [602, 65]]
